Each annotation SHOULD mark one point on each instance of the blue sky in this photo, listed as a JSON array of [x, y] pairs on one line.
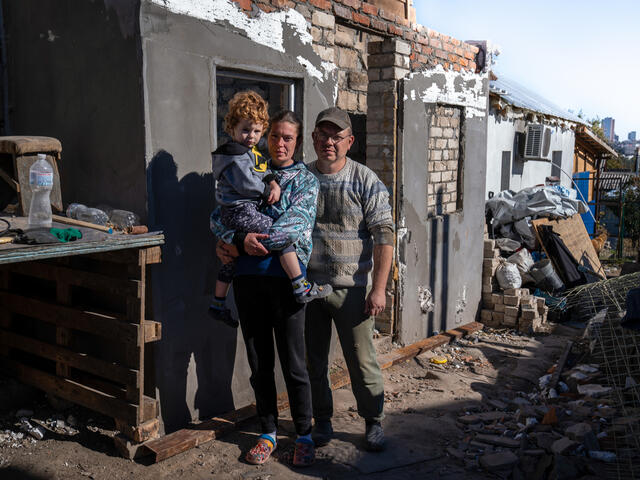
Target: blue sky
[[577, 54]]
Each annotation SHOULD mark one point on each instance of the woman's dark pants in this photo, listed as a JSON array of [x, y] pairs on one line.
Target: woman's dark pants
[[267, 308]]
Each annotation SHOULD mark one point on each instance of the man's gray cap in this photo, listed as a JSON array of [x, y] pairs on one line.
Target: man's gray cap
[[336, 116]]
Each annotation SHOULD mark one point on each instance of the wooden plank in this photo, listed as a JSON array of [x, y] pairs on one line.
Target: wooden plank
[[106, 326], [63, 334], [70, 276], [141, 331], [81, 361], [13, 253], [555, 376], [574, 235], [187, 438], [152, 331], [140, 433], [72, 391], [153, 255], [5, 313]]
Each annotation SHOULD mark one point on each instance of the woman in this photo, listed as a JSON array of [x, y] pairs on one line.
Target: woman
[[264, 297]]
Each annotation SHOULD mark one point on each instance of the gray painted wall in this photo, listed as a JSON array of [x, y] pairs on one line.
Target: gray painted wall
[[201, 365], [440, 258], [75, 72]]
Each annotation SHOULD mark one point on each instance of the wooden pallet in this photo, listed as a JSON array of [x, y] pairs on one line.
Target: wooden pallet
[[77, 327]]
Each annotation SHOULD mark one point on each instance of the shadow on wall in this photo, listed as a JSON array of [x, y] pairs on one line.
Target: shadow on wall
[[439, 271], [195, 359]]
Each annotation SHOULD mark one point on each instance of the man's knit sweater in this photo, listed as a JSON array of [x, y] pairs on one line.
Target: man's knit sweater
[[353, 215]]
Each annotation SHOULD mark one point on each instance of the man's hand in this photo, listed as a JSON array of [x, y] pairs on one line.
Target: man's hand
[[376, 301], [253, 246], [226, 252], [274, 193]]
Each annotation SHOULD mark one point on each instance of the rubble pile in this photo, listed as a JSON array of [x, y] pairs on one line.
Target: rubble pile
[[512, 308], [558, 431]]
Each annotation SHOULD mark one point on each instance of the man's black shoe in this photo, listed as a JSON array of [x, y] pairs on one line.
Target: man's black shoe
[[374, 437]]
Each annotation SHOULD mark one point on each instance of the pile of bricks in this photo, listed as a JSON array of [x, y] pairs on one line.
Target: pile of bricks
[[515, 307]]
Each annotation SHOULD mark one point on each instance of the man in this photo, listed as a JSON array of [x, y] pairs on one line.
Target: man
[[353, 235]]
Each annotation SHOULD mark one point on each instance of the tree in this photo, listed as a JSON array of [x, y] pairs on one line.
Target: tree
[[631, 210]]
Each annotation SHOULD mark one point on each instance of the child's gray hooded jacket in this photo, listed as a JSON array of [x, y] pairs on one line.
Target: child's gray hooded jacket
[[241, 174]]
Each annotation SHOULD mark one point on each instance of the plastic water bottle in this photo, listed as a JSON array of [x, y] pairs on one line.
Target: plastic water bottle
[[87, 214], [41, 182], [124, 219]]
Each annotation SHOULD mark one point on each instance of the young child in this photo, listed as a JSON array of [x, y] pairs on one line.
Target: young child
[[243, 183]]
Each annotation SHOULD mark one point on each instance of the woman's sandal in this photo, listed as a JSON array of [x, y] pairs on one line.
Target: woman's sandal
[[304, 454], [262, 450]]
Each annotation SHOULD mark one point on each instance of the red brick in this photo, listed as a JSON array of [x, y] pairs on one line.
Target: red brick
[[441, 54], [266, 8], [413, 55], [393, 30], [415, 66], [473, 48], [282, 3], [469, 55], [379, 25], [447, 46], [369, 9], [361, 19], [387, 16], [352, 3], [459, 51], [323, 4], [456, 67], [435, 43], [427, 50], [472, 66], [453, 58], [456, 42], [422, 59], [433, 34], [409, 35], [422, 39], [342, 12], [245, 4], [463, 61], [403, 21], [444, 38]]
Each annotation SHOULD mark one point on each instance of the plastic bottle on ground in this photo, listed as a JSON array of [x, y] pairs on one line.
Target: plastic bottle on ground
[[41, 182]]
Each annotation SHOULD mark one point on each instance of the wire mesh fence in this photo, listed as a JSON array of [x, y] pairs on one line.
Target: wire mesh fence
[[617, 351]]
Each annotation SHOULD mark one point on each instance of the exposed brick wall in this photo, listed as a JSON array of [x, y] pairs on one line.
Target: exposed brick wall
[[443, 192]]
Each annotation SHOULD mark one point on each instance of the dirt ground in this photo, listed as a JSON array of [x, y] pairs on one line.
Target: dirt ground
[[423, 402]]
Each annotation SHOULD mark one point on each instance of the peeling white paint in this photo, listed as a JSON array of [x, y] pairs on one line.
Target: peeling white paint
[[311, 70], [472, 96], [461, 304], [265, 28], [425, 299]]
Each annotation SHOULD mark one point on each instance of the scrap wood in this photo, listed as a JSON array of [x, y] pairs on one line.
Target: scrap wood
[[555, 376], [190, 437], [574, 235]]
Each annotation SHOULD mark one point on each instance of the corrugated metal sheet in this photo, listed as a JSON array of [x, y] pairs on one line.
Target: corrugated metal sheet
[[521, 97]]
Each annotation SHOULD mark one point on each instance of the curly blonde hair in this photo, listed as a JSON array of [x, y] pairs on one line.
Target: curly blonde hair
[[246, 105]]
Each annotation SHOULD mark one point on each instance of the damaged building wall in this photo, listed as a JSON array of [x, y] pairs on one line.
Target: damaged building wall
[[506, 169], [440, 247]]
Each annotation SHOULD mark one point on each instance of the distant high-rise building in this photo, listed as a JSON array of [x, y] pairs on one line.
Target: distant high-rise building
[[608, 125], [632, 136]]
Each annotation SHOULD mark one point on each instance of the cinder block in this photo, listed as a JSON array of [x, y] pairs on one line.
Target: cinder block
[[512, 292], [489, 266], [510, 321], [540, 302], [497, 298], [511, 300], [527, 300], [489, 244], [487, 280], [529, 313], [498, 316], [511, 311], [524, 291], [499, 307], [486, 315], [487, 288]]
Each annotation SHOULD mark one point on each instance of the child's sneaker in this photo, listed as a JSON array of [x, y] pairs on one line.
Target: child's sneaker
[[313, 292], [223, 315]]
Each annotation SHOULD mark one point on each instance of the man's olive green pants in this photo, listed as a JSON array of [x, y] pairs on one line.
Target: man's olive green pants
[[345, 306]]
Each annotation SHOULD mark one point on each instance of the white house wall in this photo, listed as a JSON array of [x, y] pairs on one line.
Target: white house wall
[[500, 138]]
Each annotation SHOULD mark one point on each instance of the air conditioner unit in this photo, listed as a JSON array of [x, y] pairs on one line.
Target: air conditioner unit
[[537, 143]]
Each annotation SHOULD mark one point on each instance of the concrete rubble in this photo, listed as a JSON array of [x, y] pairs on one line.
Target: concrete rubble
[[538, 435]]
